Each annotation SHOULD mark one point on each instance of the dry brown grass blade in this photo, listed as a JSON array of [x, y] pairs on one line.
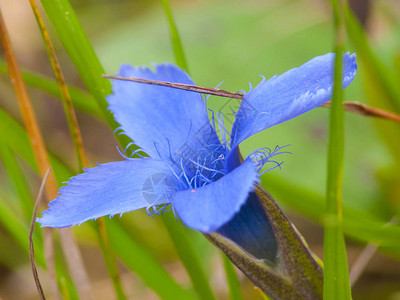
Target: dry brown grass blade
[[368, 111], [39, 150], [26, 109], [364, 258], [66, 99], [181, 86], [353, 107], [31, 245]]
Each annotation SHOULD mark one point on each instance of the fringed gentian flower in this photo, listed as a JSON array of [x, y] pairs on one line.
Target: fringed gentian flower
[[192, 170]]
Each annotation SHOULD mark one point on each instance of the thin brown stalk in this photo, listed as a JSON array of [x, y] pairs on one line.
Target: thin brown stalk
[[368, 111], [181, 86], [361, 262], [350, 106], [31, 245], [364, 258], [65, 96]]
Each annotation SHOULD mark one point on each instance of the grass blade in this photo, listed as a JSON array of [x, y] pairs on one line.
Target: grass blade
[[175, 38], [140, 261], [75, 133], [17, 179], [188, 256], [81, 52], [18, 230], [39, 150], [336, 273], [359, 225], [233, 281], [80, 99]]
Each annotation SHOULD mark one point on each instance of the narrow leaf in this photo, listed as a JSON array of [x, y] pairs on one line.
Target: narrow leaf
[[80, 99], [233, 281], [76, 135], [140, 261], [17, 179], [175, 38], [81, 52], [336, 273], [35, 138]]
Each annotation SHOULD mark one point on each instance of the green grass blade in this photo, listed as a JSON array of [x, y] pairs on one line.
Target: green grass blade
[[233, 281], [80, 99], [382, 75], [81, 52], [382, 88], [18, 230], [131, 254], [140, 261], [357, 224], [76, 136], [188, 256], [18, 181], [336, 273], [109, 258], [11, 255], [175, 38], [17, 140]]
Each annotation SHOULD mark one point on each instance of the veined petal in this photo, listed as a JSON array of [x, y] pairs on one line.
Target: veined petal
[[286, 96], [167, 123], [109, 189], [208, 208]]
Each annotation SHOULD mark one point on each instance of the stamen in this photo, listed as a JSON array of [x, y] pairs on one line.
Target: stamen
[[170, 151], [184, 174], [204, 167], [212, 118], [263, 155], [158, 152]]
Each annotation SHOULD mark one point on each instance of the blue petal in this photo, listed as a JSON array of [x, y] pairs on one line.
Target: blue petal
[[286, 96], [208, 208], [167, 123], [109, 189]]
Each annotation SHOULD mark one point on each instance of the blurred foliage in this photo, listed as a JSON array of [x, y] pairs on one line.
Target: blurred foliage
[[230, 41]]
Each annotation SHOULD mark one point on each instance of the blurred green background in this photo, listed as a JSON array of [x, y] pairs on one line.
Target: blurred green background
[[233, 42]]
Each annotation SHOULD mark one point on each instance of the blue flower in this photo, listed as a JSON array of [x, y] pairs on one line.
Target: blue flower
[[191, 169]]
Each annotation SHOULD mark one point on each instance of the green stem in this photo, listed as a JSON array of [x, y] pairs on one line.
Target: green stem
[[336, 273], [175, 38], [233, 281], [188, 257]]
